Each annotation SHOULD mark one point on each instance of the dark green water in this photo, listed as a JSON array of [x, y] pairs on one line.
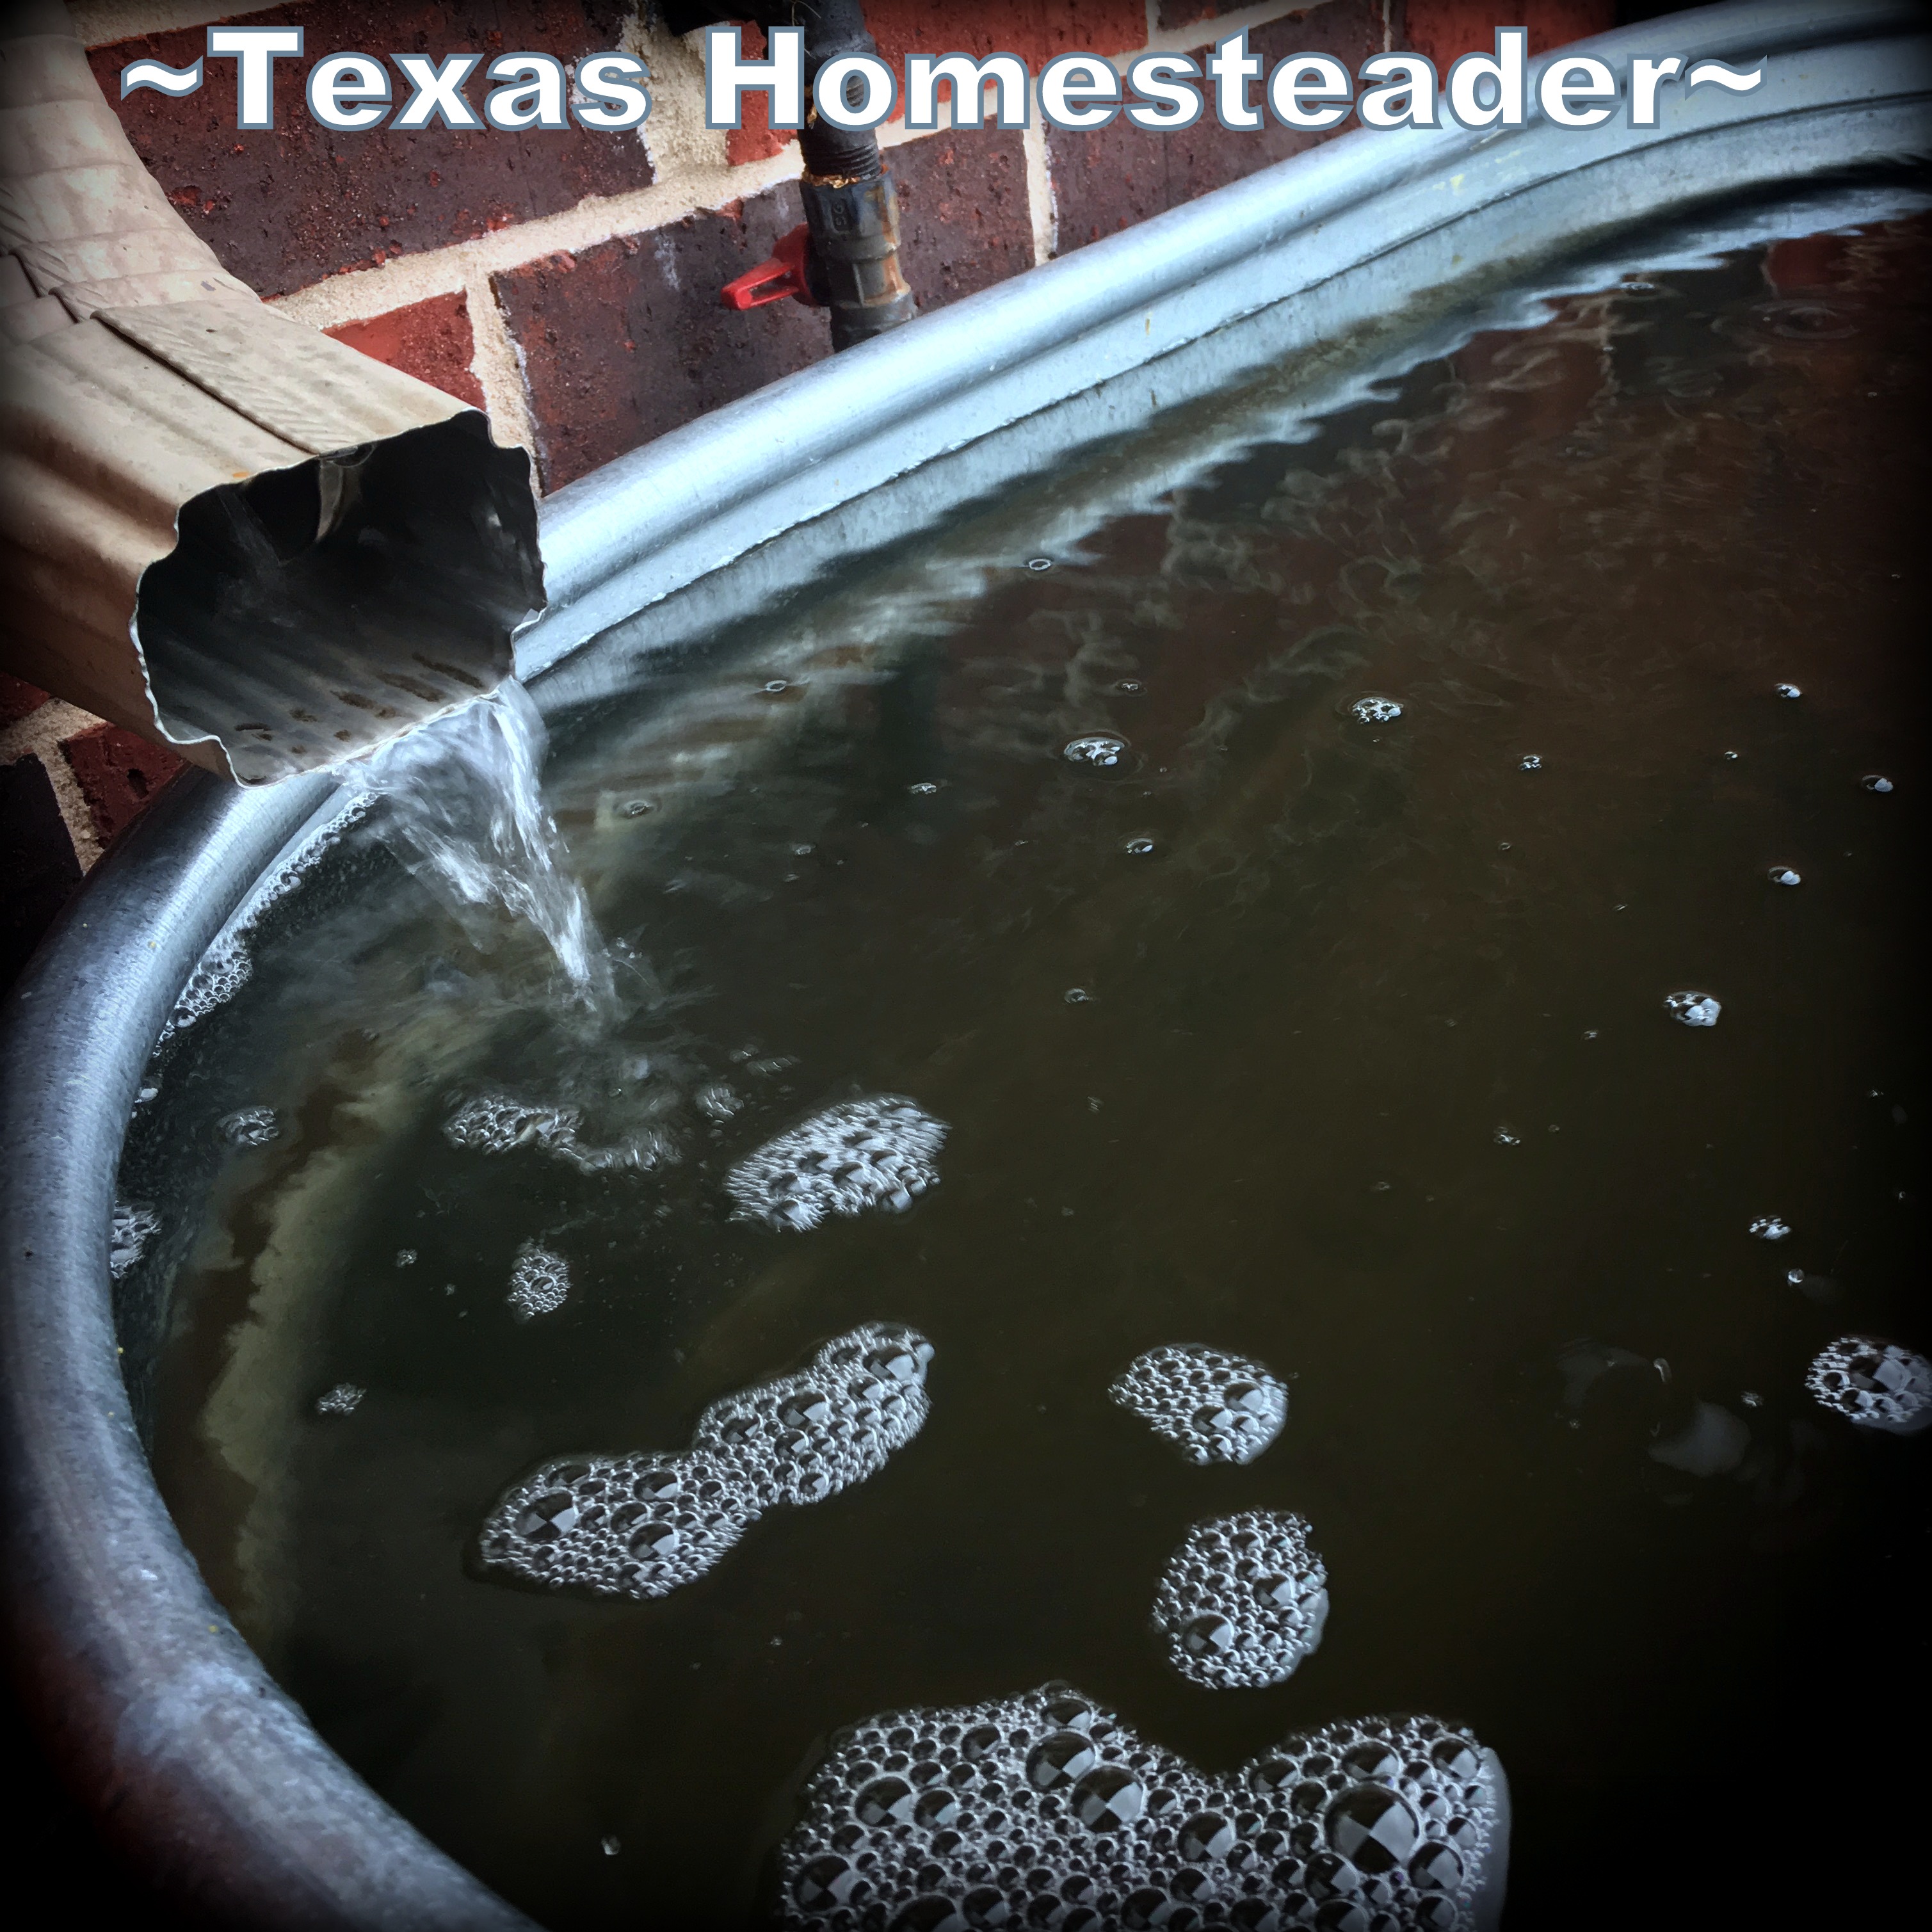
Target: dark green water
[[1373, 1083]]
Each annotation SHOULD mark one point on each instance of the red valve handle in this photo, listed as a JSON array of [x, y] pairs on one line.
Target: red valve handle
[[772, 281]]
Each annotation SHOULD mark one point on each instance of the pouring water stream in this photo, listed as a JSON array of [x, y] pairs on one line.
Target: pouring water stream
[[466, 814]]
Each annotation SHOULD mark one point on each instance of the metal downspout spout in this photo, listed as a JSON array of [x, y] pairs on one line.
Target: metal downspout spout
[[224, 530]]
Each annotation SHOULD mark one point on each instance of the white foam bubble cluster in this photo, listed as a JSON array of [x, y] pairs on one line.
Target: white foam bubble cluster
[[640, 1525], [1215, 1408], [717, 1100], [228, 965], [874, 1152], [1692, 1009], [1099, 752], [496, 1122], [1044, 1809], [1374, 710], [1242, 1601], [134, 1225], [220, 973], [1876, 1384], [540, 1281], [251, 1127], [341, 1400]]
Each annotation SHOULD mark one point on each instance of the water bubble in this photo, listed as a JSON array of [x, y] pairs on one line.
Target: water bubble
[[1242, 1601], [886, 1801], [1097, 750], [1692, 1009], [1730, 758], [1139, 848], [1108, 1797], [1771, 1227], [1529, 762], [1375, 1760], [872, 1153], [1077, 996], [133, 1226], [540, 1281], [717, 1100], [251, 1127], [1214, 1407], [775, 684], [1876, 1383], [1105, 1850], [1059, 1758], [933, 1912], [1875, 782], [1040, 563], [1372, 1827], [1783, 875], [405, 1258], [636, 808], [1504, 1137], [1787, 691], [924, 789], [643, 1525], [1374, 710], [1206, 1835], [1129, 687], [341, 1400]]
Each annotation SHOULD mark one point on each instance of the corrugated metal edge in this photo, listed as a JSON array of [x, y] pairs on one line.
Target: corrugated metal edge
[[294, 382]]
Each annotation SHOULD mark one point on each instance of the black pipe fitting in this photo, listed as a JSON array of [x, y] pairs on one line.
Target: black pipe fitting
[[849, 205], [855, 243]]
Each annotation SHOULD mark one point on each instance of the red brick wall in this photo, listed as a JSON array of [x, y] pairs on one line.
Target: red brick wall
[[569, 280], [286, 207], [568, 283], [1106, 180]]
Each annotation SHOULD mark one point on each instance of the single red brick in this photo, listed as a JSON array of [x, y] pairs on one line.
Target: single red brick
[[965, 220], [284, 207], [632, 340], [119, 775], [18, 698], [1036, 30], [430, 340], [1444, 29], [1118, 175]]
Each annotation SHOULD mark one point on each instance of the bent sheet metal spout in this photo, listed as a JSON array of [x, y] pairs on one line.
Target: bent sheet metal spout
[[228, 532]]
